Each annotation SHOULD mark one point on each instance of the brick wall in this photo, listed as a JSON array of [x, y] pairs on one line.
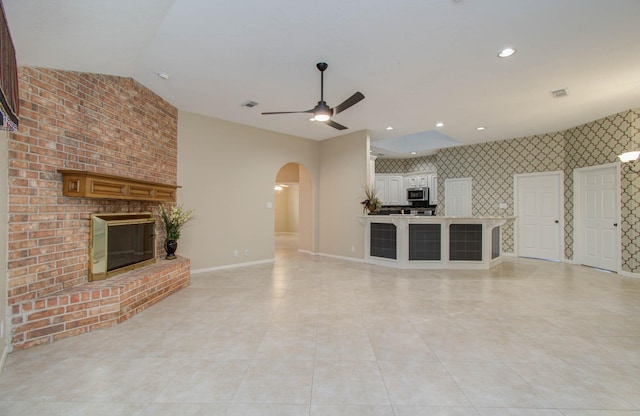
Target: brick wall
[[80, 121]]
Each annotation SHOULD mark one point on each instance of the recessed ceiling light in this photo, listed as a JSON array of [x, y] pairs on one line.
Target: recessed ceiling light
[[389, 128], [439, 124], [506, 52], [413, 153], [480, 128], [164, 75]]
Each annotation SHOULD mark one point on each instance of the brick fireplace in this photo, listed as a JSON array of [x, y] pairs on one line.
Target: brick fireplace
[[87, 122]]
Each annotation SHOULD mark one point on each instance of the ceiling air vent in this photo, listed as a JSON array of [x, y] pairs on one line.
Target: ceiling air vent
[[250, 104], [560, 93]]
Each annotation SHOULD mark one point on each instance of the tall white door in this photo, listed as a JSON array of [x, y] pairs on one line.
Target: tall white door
[[599, 225], [457, 197], [539, 215]]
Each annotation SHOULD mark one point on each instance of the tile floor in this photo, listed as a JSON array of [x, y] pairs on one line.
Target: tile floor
[[320, 336]]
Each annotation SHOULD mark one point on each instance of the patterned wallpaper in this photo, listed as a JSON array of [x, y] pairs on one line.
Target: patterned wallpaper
[[411, 165], [492, 166]]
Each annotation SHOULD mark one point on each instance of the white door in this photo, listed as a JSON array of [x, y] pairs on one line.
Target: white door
[[599, 205], [457, 197], [539, 215]]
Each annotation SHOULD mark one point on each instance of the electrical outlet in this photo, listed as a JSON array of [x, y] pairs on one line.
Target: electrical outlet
[[235, 253], [246, 251], [1, 330], [353, 249]]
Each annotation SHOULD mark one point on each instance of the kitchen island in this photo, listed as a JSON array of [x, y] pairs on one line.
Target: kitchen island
[[433, 242]]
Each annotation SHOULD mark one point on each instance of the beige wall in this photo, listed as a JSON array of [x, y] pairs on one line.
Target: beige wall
[[308, 227], [4, 340], [227, 172], [343, 174]]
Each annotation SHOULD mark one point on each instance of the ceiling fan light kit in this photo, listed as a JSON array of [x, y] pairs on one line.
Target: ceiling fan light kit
[[322, 112]]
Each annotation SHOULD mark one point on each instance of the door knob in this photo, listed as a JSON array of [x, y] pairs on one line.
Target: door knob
[[556, 221], [615, 224]]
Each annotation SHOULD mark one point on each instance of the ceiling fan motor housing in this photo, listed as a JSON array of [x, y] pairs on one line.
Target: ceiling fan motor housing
[[322, 112]]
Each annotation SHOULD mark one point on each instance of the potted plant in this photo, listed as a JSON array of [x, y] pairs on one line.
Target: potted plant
[[173, 221], [371, 202]]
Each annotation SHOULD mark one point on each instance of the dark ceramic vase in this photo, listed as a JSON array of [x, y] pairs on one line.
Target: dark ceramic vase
[[170, 247]]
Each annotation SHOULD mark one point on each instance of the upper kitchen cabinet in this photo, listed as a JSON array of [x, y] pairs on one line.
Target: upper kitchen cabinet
[[391, 190], [433, 190], [421, 180]]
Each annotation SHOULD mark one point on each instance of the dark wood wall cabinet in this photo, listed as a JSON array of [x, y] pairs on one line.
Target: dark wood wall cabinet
[[83, 184]]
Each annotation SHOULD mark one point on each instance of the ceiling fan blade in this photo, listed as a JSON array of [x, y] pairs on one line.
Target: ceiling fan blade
[[335, 125], [354, 99], [288, 112]]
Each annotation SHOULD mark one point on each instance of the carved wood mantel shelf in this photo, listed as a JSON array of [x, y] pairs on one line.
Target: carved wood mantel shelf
[[79, 183]]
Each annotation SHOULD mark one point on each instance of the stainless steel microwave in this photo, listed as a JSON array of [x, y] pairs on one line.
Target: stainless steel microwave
[[418, 194]]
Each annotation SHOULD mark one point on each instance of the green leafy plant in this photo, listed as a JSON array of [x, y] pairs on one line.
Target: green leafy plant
[[371, 202], [174, 219]]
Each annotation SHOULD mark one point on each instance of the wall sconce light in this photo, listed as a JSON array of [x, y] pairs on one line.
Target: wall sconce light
[[628, 158]]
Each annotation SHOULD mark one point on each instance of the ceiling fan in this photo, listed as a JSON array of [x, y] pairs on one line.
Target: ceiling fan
[[322, 112]]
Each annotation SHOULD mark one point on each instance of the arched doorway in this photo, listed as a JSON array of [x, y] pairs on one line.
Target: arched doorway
[[294, 209]]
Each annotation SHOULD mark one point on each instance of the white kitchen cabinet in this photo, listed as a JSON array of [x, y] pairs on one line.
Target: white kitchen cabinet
[[391, 190], [372, 170], [433, 190], [417, 181]]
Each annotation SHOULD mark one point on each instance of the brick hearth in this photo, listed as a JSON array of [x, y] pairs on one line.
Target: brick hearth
[[95, 305]]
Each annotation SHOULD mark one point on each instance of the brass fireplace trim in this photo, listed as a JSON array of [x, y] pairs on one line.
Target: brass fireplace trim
[[97, 252]]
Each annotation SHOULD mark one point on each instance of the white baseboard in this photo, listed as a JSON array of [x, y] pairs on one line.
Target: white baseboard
[[311, 253], [232, 266], [333, 256], [286, 233], [629, 274], [507, 254]]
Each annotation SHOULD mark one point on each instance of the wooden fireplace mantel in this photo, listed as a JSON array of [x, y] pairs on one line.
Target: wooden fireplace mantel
[[83, 184]]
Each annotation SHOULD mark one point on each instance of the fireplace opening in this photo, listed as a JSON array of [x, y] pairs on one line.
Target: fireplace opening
[[121, 242]]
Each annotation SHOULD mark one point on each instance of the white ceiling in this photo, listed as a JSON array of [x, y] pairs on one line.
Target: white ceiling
[[416, 61]]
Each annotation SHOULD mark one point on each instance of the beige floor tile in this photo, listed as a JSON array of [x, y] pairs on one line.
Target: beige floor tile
[[184, 409], [568, 386], [267, 410], [348, 383], [204, 381], [519, 412], [434, 411], [347, 410], [411, 383], [344, 344], [311, 335], [276, 382], [400, 345], [495, 385]]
